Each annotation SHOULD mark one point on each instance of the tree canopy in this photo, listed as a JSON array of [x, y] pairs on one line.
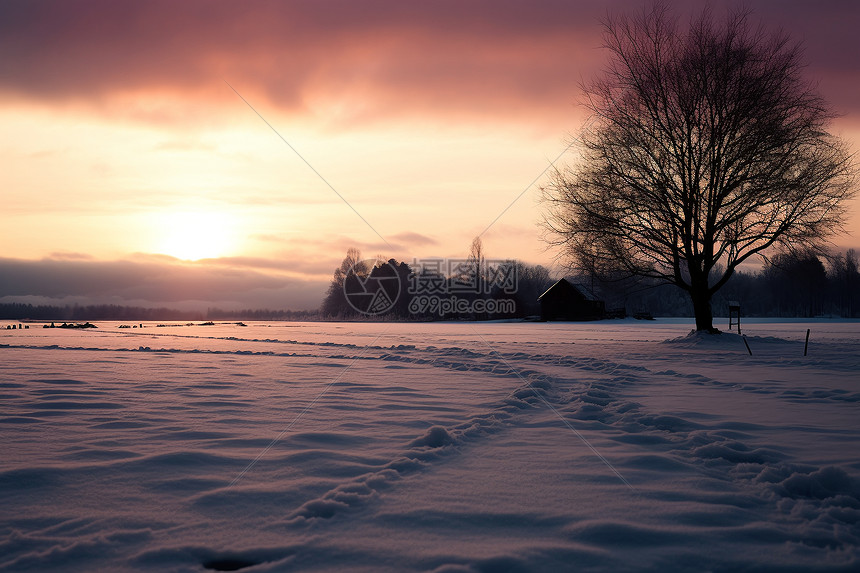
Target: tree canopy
[[706, 146]]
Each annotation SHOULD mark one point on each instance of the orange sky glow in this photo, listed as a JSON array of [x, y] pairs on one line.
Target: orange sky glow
[[125, 154]]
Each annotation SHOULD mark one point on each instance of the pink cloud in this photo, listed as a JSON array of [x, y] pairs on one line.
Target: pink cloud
[[377, 59]]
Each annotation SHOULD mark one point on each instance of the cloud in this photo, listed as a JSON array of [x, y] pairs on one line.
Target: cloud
[[156, 281], [345, 63], [414, 239], [67, 256], [184, 144], [293, 265], [401, 244], [350, 61]]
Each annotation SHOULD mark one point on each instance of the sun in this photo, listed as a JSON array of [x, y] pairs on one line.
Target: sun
[[195, 235]]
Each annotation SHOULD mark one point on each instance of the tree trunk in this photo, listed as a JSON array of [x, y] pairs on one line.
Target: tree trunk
[[702, 310]]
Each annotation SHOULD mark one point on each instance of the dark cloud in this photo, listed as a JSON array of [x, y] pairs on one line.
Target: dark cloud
[[376, 59], [421, 54], [156, 281]]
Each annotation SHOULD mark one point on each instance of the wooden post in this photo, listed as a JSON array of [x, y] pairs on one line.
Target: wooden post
[[806, 344]]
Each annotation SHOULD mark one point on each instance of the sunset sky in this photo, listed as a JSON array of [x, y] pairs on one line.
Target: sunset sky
[[124, 151]]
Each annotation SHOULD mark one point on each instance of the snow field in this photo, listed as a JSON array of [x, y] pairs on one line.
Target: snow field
[[430, 447]]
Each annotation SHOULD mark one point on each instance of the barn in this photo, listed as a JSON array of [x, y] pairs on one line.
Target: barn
[[570, 300]]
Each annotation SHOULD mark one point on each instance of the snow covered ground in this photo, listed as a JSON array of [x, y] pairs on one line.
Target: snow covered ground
[[611, 446]]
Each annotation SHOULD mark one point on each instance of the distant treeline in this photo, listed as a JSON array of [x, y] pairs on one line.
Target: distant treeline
[[790, 285], [261, 314], [19, 311], [799, 285]]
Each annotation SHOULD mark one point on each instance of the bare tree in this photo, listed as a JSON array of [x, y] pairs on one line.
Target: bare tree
[[335, 303], [477, 263], [704, 147]]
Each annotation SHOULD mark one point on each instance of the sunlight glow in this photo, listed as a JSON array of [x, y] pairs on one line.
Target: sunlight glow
[[193, 236]]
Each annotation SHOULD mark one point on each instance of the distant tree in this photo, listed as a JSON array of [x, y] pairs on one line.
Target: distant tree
[[386, 285], [335, 303], [468, 279], [749, 290], [844, 278], [704, 147], [470, 276], [477, 264], [358, 277], [477, 261], [531, 282], [797, 282]]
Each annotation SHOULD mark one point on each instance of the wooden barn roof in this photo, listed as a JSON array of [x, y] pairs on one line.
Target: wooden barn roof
[[571, 282]]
